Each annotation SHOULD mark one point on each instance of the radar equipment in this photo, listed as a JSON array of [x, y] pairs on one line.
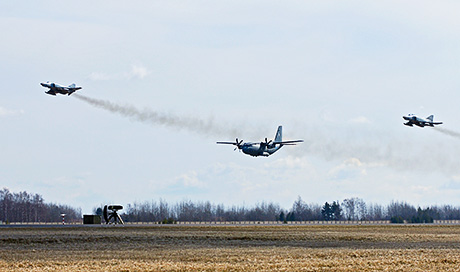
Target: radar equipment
[[110, 214]]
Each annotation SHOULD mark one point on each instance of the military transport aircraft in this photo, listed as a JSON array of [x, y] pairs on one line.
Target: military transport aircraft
[[414, 120], [263, 148], [55, 88]]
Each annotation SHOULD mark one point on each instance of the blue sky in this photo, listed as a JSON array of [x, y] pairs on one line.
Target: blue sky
[[337, 74]]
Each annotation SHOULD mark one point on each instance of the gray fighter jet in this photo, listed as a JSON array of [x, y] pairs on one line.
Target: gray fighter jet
[[414, 120], [55, 88], [265, 148]]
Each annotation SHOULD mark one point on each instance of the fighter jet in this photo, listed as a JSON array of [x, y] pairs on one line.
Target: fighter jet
[[414, 120], [265, 148], [55, 88]]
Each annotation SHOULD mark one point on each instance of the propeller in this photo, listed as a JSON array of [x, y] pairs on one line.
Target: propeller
[[267, 142], [238, 144]]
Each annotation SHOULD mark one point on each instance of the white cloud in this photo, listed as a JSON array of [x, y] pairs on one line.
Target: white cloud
[[360, 120], [138, 71], [190, 180], [96, 76], [7, 112], [63, 181], [290, 162], [353, 162], [348, 169]]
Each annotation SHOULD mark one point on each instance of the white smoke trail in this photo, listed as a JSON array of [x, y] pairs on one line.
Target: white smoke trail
[[376, 147], [448, 132], [197, 125], [370, 146]]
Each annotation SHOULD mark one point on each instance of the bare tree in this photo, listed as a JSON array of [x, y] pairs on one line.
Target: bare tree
[[376, 212], [349, 206], [402, 210], [25, 207]]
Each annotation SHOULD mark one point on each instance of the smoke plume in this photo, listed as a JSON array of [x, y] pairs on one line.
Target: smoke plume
[[372, 146], [448, 132], [378, 147], [198, 125]]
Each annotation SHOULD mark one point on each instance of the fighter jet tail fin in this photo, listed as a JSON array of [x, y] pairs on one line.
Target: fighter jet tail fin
[[72, 85], [431, 117]]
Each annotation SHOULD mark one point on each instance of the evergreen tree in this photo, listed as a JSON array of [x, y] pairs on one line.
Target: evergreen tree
[[282, 217], [327, 212], [336, 211], [290, 216]]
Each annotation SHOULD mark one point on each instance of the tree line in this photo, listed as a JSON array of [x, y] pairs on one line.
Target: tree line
[[355, 209], [26, 207], [160, 211]]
